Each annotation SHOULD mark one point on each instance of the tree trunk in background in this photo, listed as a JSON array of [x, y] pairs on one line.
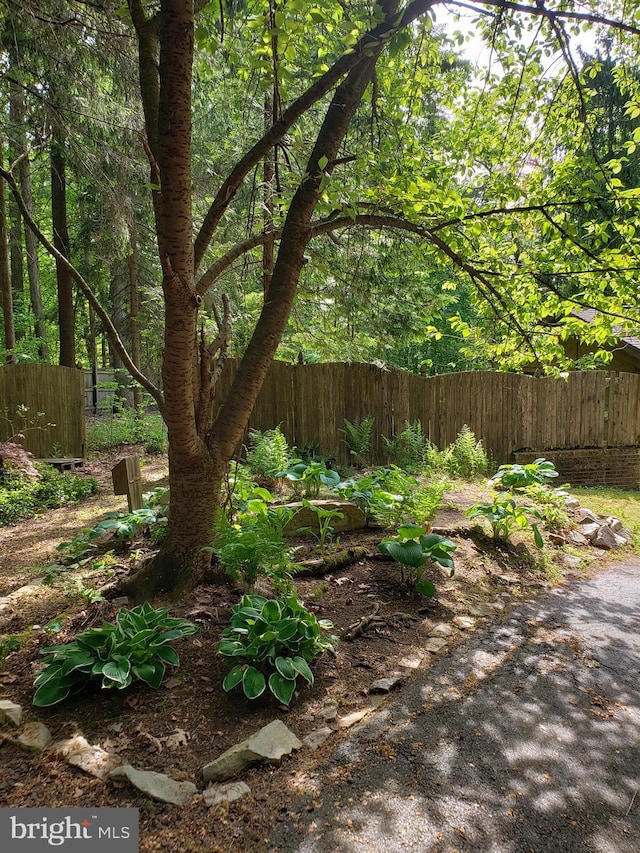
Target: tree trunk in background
[[23, 171], [16, 265], [118, 295], [66, 313], [5, 279], [134, 305]]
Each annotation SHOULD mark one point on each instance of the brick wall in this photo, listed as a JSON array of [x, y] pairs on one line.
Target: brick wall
[[613, 466]]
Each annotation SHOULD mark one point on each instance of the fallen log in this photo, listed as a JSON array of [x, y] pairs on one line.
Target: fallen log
[[329, 563]]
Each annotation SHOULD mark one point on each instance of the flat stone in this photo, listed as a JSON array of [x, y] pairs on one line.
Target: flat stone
[[486, 608], [442, 629], [464, 622], [155, 785], [35, 736], [317, 737], [571, 503], [329, 712], [268, 745], [10, 712], [411, 661], [385, 685], [89, 757], [351, 719], [352, 516], [509, 579], [571, 561], [435, 644], [228, 792]]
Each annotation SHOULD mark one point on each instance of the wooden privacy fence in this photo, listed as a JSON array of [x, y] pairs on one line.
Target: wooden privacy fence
[[57, 392], [509, 412]]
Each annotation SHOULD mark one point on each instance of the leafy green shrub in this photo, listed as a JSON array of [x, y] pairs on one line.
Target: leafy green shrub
[[268, 453], [277, 640], [357, 437], [505, 517], [309, 477], [254, 548], [413, 548], [24, 497], [126, 426], [136, 647], [516, 477], [400, 497], [466, 457]]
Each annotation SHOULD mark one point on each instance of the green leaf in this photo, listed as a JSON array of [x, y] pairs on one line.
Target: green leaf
[[282, 688], [271, 611], [151, 673], [425, 588], [233, 678], [537, 536], [286, 668], [302, 667], [322, 164], [50, 693], [253, 683], [168, 654], [116, 672]]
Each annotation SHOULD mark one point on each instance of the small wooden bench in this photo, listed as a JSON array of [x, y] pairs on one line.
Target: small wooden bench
[[63, 464]]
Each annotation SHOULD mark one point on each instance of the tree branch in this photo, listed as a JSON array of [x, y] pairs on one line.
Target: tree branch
[[110, 329], [371, 41]]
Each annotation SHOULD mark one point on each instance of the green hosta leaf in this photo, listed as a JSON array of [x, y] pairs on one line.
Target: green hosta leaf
[[286, 668], [151, 673], [426, 588], [406, 553], [282, 688], [287, 629], [233, 678], [302, 667], [253, 683], [80, 660], [410, 531], [168, 654], [50, 693], [230, 648], [118, 672], [271, 611]]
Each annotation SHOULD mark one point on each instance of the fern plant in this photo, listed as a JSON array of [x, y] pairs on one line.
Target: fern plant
[[357, 437], [268, 454], [466, 457]]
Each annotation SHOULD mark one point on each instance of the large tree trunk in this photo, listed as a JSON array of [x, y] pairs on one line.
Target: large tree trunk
[[198, 457], [66, 313], [5, 279]]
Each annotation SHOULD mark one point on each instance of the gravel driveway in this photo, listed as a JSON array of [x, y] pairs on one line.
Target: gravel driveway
[[524, 739]]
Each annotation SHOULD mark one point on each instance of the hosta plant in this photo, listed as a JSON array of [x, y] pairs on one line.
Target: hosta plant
[[414, 550], [516, 477], [505, 517], [273, 642], [309, 477], [136, 647]]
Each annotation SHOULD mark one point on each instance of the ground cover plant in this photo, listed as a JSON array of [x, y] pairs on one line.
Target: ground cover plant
[[23, 496]]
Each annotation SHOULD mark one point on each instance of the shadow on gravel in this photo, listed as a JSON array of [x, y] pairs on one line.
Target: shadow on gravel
[[526, 739]]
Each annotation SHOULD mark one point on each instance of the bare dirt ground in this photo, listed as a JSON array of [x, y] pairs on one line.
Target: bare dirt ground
[[189, 721]]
